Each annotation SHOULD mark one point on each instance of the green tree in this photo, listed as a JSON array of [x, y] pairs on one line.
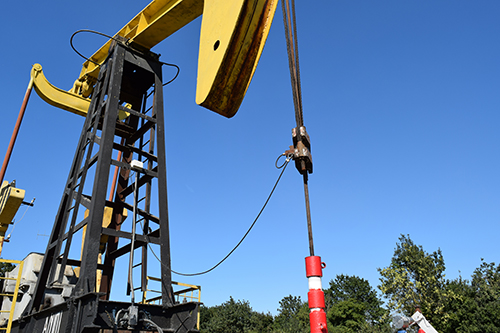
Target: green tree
[[353, 305], [261, 322], [413, 278], [233, 317], [345, 288], [486, 287], [473, 307], [6, 267], [293, 316], [347, 316], [460, 307]]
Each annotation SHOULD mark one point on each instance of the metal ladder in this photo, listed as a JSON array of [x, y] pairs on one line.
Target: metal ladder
[[127, 77], [14, 294]]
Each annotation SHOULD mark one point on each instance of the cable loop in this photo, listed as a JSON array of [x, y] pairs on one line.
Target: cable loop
[[126, 45], [288, 158], [276, 163], [91, 31]]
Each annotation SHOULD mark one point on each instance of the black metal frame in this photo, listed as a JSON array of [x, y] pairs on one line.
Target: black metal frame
[[128, 76]]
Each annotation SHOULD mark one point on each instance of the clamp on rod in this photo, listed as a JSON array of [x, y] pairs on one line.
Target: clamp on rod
[[301, 154]]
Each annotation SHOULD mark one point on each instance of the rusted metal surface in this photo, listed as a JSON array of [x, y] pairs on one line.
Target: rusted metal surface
[[16, 131]]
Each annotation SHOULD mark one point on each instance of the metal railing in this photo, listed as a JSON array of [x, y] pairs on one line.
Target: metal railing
[[13, 295], [190, 293]]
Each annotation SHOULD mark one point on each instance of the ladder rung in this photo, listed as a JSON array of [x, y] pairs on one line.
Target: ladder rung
[[7, 278], [137, 265]]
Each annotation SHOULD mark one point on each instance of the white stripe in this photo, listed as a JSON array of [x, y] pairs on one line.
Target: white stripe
[[315, 282]]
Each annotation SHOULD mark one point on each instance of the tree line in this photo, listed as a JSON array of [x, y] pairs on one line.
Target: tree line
[[413, 279]]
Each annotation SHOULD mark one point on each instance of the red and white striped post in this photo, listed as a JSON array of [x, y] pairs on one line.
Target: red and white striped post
[[316, 297]]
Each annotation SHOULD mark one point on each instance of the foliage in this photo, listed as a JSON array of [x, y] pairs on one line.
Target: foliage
[[474, 306], [347, 315], [460, 306], [233, 317], [353, 305], [415, 278], [6, 267], [261, 322], [485, 286], [345, 288], [293, 316]]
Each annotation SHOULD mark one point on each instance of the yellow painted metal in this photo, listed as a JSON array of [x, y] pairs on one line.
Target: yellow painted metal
[[16, 291], [62, 99], [10, 201], [57, 97], [233, 34], [193, 292], [160, 19]]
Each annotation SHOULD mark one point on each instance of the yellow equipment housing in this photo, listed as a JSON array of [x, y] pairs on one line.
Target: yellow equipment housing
[[11, 199]]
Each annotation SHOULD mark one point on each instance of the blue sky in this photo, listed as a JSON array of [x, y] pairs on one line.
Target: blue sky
[[401, 100]]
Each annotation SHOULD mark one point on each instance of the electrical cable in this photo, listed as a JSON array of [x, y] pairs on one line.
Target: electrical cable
[[286, 161], [152, 323], [110, 37], [91, 31], [172, 80], [177, 74], [10, 233], [244, 236]]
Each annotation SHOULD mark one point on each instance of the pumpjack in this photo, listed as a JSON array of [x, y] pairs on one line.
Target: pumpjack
[[120, 93]]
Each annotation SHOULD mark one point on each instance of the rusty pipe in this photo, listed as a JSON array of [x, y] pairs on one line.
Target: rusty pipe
[[16, 130]]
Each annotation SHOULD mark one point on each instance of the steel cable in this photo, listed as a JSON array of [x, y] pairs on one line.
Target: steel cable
[[290, 24], [283, 167]]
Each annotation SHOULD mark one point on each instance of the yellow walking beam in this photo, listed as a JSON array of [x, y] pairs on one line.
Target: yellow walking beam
[[57, 97], [233, 34], [160, 19]]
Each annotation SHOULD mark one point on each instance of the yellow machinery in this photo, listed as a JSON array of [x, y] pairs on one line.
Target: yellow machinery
[[229, 50], [11, 199], [232, 38], [189, 292]]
